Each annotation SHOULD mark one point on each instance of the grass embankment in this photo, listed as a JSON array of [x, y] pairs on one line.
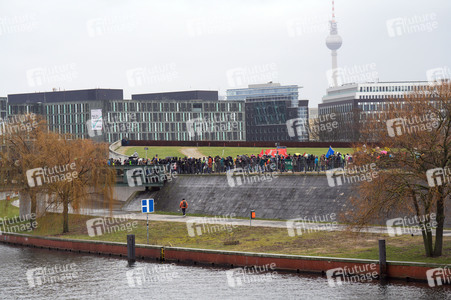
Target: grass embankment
[[255, 239], [223, 151], [153, 150], [8, 211]]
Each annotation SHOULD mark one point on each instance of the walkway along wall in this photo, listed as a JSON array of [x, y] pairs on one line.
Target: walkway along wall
[[401, 270]]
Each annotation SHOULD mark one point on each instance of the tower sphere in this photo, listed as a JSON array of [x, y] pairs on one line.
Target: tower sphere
[[333, 42]]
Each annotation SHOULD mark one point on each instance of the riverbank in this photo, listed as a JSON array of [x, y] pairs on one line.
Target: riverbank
[[271, 240], [232, 259]]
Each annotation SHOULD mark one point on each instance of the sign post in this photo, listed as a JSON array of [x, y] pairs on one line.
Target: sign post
[[147, 207], [146, 148], [251, 217]]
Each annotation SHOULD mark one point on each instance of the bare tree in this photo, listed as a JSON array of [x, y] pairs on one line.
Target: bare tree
[[414, 175], [72, 172]]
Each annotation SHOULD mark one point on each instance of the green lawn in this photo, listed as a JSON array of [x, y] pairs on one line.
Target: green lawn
[[258, 239], [251, 239], [161, 151], [7, 210], [224, 151]]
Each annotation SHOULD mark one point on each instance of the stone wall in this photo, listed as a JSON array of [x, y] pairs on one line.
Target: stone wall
[[283, 197]]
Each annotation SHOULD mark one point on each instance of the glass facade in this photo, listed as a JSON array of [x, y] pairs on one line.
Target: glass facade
[[166, 120], [3, 107], [66, 117], [276, 105], [264, 90], [170, 120], [258, 118]]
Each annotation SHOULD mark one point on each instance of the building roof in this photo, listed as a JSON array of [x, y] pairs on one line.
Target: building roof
[[66, 96], [181, 95]]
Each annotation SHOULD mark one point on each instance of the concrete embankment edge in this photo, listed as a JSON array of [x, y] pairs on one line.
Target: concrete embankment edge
[[296, 263]]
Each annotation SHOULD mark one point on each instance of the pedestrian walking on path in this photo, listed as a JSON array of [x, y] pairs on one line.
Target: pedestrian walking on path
[[184, 206]]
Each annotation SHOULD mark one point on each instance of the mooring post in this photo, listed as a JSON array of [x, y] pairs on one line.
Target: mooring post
[[382, 260], [131, 248]]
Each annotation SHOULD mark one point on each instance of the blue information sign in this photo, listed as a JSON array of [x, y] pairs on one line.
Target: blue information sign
[[147, 206]]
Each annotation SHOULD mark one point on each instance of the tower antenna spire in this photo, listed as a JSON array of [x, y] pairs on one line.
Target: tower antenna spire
[[333, 11], [333, 42]]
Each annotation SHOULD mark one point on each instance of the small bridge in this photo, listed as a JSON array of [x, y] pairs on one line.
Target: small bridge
[[126, 175], [141, 175]]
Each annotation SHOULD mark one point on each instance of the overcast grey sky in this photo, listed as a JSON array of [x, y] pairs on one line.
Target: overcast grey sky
[[156, 46]]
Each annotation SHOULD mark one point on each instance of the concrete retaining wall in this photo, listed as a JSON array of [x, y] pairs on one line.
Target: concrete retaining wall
[[283, 197]]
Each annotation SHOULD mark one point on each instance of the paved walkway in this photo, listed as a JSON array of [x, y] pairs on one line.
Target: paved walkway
[[295, 227], [191, 152]]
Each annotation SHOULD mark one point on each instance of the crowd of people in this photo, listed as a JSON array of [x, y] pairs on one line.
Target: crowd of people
[[247, 163]]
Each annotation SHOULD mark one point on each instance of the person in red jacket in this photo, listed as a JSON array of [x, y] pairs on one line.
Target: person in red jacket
[[184, 206]]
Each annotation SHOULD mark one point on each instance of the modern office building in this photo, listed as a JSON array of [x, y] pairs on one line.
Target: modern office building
[[266, 120], [177, 120], [270, 90], [65, 111], [351, 104], [3, 107], [103, 114], [184, 95], [268, 107]]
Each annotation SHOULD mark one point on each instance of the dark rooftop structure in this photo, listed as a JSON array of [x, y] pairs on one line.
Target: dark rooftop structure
[[66, 96], [183, 95]]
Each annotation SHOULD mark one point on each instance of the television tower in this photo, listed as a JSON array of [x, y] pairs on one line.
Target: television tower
[[333, 42]]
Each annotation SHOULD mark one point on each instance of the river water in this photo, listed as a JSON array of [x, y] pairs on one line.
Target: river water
[[29, 273]]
